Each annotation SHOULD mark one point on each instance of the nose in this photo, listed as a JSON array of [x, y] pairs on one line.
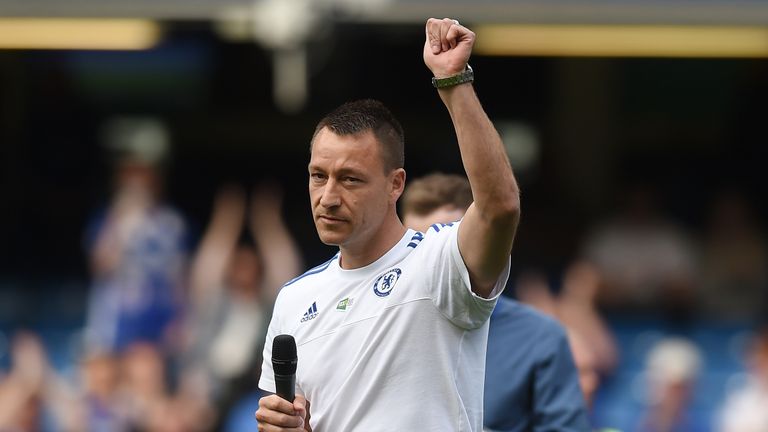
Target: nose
[[331, 196]]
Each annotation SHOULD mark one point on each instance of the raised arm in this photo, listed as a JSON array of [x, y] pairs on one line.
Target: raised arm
[[280, 253], [488, 229], [218, 243]]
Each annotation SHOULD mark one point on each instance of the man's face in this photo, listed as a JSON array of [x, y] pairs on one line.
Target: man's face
[[348, 189]]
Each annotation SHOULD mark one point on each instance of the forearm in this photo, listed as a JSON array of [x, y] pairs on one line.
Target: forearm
[[209, 264], [494, 188], [280, 253], [488, 228]]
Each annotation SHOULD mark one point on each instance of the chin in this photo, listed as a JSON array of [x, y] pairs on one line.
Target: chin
[[330, 238]]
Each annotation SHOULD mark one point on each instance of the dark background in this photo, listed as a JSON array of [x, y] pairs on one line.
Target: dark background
[[687, 127]]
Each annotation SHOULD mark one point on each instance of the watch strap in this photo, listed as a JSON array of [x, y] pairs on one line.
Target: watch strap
[[467, 76]]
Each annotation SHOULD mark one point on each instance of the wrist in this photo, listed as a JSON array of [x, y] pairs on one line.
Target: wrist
[[465, 76]]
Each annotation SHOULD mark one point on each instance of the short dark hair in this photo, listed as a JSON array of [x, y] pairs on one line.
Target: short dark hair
[[427, 194], [368, 115]]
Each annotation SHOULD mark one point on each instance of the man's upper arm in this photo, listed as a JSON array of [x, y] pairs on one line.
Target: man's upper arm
[[485, 246]]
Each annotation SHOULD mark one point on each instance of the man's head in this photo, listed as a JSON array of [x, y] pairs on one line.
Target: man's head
[[672, 367], [435, 198], [368, 115], [356, 174]]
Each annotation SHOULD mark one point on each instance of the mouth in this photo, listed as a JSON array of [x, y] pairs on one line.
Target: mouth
[[329, 219]]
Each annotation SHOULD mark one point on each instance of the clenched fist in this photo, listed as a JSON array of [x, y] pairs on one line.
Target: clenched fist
[[447, 47]]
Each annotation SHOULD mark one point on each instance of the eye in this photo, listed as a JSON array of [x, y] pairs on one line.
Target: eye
[[352, 180], [316, 176]]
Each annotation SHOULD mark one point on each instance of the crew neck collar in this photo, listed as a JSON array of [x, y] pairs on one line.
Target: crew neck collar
[[393, 255]]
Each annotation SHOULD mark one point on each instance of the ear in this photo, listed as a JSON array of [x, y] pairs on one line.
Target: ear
[[397, 184]]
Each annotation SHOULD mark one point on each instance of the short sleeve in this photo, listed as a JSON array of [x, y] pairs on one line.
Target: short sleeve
[[449, 284], [267, 379]]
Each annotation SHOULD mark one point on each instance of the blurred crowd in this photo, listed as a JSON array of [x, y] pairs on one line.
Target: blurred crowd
[[640, 263], [175, 327], [174, 334]]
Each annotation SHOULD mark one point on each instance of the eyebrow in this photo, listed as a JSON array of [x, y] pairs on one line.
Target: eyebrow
[[351, 171], [341, 172]]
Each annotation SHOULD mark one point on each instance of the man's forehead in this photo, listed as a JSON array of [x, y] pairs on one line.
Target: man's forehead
[[347, 148], [327, 135]]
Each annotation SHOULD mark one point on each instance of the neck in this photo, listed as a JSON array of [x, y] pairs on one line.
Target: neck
[[360, 255]]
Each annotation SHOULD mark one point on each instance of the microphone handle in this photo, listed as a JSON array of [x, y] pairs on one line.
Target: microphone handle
[[285, 386]]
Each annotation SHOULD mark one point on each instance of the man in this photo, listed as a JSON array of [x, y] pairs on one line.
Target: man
[[531, 383], [391, 332]]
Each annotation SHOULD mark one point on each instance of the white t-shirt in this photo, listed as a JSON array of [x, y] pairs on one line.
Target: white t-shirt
[[397, 345]]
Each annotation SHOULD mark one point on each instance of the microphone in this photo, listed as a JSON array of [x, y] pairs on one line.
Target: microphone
[[284, 364]]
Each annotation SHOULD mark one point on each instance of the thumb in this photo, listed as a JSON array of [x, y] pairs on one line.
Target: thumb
[[300, 406]]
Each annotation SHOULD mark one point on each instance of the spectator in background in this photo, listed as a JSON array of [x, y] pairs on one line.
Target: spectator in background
[[591, 341], [672, 368], [143, 388], [100, 378], [150, 404], [577, 310], [137, 251], [531, 382], [584, 359], [435, 198], [114, 395], [746, 410], [32, 396], [644, 261], [733, 279], [234, 285]]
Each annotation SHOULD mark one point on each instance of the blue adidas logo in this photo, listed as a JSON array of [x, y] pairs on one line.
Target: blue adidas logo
[[311, 313]]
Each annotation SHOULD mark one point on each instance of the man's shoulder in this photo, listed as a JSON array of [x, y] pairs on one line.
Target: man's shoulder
[[308, 277], [433, 236], [512, 318], [435, 229]]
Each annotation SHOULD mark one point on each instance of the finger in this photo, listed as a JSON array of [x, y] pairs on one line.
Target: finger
[[445, 25], [433, 35], [461, 34], [453, 35], [263, 427], [455, 32], [300, 406], [278, 404], [273, 420], [272, 428]]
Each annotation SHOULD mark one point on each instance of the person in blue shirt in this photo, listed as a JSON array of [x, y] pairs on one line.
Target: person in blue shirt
[[533, 384], [137, 249]]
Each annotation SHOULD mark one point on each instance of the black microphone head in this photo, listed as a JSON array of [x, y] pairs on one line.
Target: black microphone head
[[284, 355]]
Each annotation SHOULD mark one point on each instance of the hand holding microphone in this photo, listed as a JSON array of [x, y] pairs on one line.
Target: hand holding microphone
[[283, 411]]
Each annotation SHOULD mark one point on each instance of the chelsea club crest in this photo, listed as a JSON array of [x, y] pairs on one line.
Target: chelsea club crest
[[384, 284]]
